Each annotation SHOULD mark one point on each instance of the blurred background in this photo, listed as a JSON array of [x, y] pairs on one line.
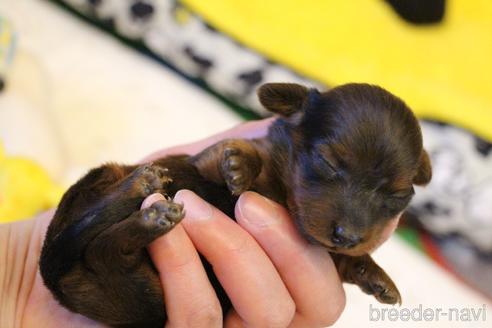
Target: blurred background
[[84, 82]]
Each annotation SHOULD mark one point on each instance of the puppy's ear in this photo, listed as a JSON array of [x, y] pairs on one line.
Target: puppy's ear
[[283, 98], [424, 171]]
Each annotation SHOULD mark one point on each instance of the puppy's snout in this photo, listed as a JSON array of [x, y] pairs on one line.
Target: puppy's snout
[[342, 238]]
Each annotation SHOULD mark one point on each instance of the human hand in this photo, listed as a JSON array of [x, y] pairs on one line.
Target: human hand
[[24, 300], [274, 277]]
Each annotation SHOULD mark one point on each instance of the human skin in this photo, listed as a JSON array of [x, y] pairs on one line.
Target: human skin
[[273, 277]]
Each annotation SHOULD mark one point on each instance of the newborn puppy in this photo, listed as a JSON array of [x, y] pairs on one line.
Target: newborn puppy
[[343, 162]]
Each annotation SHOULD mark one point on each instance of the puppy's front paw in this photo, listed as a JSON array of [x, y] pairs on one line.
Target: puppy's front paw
[[150, 178], [374, 281], [236, 171]]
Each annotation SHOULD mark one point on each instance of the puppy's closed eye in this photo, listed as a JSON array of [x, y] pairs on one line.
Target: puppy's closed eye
[[397, 201], [325, 166]]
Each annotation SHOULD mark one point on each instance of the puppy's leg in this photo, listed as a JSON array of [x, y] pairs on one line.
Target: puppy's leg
[[97, 265], [143, 181], [115, 282], [120, 247], [95, 203], [104, 197], [365, 273], [234, 162]]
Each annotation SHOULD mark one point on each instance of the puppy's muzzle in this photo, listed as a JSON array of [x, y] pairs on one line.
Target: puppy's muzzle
[[344, 239]]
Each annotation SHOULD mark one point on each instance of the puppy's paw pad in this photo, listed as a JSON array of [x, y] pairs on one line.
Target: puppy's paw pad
[[162, 216], [374, 281], [171, 211], [152, 218], [235, 171], [230, 151], [151, 178], [233, 162], [387, 295]]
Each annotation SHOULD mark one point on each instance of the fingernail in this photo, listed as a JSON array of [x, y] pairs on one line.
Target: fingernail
[[151, 200], [195, 207], [257, 210]]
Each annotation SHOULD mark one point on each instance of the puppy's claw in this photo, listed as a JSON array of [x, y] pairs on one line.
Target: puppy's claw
[[229, 151], [162, 171], [150, 178], [233, 163], [236, 179], [385, 290], [146, 167], [236, 191], [147, 188], [389, 297], [374, 281]]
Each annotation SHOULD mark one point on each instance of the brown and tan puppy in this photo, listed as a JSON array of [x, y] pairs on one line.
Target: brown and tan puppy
[[343, 162]]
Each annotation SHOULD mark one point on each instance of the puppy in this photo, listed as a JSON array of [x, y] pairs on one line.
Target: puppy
[[343, 162]]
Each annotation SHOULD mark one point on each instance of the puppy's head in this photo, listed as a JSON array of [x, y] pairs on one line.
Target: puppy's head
[[356, 152]]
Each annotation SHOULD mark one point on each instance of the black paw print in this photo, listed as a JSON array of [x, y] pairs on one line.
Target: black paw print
[[94, 3], [141, 10], [483, 147]]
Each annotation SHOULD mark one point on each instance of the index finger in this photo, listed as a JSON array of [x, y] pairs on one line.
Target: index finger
[[189, 297]]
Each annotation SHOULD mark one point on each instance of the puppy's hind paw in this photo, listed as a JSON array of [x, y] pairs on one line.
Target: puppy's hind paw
[[150, 178], [163, 215]]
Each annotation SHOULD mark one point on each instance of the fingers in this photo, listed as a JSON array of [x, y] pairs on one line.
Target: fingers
[[307, 271], [248, 130], [274, 280], [189, 297], [244, 270]]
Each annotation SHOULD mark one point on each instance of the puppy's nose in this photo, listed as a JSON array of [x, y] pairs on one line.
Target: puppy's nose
[[342, 238]]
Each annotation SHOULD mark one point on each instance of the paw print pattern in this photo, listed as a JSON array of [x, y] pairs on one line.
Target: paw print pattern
[[201, 61], [94, 3], [181, 38], [252, 78], [457, 200], [483, 147], [141, 10]]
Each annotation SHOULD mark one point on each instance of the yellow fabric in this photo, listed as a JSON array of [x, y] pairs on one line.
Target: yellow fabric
[[25, 188], [443, 72]]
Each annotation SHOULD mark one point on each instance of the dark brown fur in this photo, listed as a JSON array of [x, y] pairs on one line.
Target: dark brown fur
[[343, 162]]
